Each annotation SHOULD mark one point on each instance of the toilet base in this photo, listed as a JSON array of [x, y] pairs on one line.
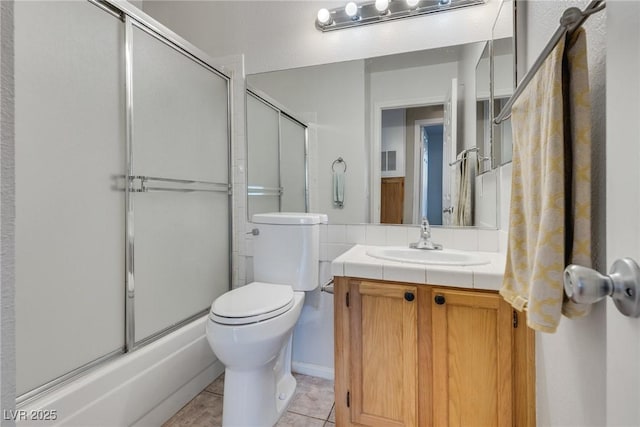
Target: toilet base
[[258, 398]]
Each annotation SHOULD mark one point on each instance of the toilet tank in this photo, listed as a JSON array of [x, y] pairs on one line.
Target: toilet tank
[[287, 249]]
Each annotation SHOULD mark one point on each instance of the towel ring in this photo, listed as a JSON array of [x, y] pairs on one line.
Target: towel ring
[[338, 161]]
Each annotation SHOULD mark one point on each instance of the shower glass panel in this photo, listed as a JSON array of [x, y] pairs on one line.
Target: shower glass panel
[[263, 134], [179, 132], [70, 151], [292, 165]]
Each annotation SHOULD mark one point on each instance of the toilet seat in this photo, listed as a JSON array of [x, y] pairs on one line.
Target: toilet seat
[[252, 303]]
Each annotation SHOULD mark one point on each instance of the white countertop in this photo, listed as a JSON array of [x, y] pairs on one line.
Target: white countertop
[[356, 263]]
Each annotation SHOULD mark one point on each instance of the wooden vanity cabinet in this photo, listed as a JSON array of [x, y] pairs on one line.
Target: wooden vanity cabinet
[[420, 355]]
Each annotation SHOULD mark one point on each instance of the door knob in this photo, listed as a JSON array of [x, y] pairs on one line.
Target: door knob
[[586, 286]]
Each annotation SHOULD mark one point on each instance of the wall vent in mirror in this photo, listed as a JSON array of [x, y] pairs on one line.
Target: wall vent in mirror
[[388, 161]]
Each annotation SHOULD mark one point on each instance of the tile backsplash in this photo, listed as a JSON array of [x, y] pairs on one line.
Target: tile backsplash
[[337, 239]]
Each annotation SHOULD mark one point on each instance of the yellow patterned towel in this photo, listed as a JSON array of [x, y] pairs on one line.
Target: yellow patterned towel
[[550, 219]]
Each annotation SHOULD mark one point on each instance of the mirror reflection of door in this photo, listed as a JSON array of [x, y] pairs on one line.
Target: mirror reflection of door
[[431, 171], [411, 181]]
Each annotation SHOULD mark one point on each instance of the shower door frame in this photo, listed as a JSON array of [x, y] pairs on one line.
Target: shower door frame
[[131, 16], [202, 60], [262, 97]]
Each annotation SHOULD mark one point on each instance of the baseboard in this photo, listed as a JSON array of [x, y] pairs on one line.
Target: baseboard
[[313, 370]]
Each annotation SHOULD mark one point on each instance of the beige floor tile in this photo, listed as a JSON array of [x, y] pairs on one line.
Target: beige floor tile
[[313, 397], [217, 386], [203, 411], [329, 424], [289, 419], [332, 415]]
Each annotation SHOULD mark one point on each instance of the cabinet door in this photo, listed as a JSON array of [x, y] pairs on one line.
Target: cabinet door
[[384, 354], [472, 363]]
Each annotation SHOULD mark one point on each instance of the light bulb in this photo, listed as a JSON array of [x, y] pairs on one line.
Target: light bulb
[[351, 9], [382, 5], [412, 3], [324, 16]]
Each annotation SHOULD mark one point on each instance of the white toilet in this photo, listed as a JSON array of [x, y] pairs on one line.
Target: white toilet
[[250, 328]]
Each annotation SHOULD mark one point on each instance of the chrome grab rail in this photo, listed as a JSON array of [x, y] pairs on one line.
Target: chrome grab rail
[[571, 19], [257, 190], [463, 153], [145, 184]]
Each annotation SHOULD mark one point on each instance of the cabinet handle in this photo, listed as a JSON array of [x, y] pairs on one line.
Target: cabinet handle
[[409, 296], [439, 299]]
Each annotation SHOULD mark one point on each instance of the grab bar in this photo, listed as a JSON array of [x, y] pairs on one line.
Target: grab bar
[[145, 184], [571, 19], [469, 150], [257, 190]]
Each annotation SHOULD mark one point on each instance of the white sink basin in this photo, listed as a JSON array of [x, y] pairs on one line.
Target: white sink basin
[[421, 256]]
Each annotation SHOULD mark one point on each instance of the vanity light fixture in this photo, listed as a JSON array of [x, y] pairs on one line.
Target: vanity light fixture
[[351, 9], [324, 18], [382, 6], [374, 11]]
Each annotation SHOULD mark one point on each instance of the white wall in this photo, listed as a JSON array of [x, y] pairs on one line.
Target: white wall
[[7, 214], [623, 189], [281, 34], [571, 363], [413, 85]]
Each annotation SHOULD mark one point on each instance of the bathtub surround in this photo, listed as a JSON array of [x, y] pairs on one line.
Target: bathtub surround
[[166, 374], [162, 376]]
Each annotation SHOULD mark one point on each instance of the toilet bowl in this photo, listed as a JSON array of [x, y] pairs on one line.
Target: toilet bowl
[[250, 328], [257, 358]]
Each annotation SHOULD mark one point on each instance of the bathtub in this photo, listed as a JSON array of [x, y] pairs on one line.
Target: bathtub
[[142, 388]]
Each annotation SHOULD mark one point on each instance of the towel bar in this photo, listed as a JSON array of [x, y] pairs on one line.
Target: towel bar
[[586, 286]]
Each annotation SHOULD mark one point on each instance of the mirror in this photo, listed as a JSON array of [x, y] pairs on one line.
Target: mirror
[[484, 113], [503, 80], [276, 158], [398, 122]]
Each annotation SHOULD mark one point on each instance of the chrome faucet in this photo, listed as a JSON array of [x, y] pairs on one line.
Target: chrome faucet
[[425, 238]]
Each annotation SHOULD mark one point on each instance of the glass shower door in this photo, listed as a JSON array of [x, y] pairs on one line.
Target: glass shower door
[[70, 201], [293, 171], [263, 156], [179, 224]]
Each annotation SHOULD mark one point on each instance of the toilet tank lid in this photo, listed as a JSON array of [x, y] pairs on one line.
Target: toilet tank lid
[[300, 218]]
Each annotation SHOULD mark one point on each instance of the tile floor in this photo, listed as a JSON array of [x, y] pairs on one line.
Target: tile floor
[[311, 406]]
